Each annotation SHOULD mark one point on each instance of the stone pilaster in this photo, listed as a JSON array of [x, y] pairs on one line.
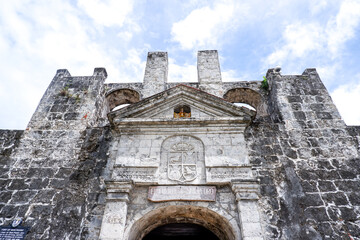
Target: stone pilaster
[[114, 218], [209, 74], [247, 194], [156, 73]]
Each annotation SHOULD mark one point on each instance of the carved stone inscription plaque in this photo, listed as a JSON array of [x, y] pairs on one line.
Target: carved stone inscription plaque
[[136, 174], [226, 174], [182, 193]]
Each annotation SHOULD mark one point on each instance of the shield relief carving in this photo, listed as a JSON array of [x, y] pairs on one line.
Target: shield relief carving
[[183, 158]]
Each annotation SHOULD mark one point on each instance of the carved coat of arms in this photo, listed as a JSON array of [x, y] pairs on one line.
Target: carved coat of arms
[[182, 160]]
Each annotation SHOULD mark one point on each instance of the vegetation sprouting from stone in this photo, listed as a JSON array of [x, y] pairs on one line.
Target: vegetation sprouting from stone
[[65, 92], [264, 84]]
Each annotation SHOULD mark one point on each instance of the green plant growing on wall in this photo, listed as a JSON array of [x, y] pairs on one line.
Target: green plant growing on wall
[[265, 84], [65, 92], [77, 98]]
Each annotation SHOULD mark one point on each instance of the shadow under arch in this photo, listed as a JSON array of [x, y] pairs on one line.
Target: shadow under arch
[[248, 96], [205, 217], [121, 96]]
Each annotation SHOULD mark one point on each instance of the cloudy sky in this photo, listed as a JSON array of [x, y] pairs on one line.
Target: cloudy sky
[[37, 37]]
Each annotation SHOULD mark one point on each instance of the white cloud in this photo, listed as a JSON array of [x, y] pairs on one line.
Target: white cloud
[[132, 67], [346, 98], [329, 73], [299, 39], [232, 76], [342, 28], [178, 73], [125, 36], [303, 38], [36, 39], [204, 26], [107, 12], [318, 6]]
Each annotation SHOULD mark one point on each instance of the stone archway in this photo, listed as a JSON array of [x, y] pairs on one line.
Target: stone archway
[[180, 231], [184, 214], [248, 96], [121, 96]]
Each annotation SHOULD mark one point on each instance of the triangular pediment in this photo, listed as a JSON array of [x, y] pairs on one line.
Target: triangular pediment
[[161, 107]]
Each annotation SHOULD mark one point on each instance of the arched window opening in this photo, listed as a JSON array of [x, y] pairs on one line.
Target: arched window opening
[[182, 111], [246, 97], [121, 98]]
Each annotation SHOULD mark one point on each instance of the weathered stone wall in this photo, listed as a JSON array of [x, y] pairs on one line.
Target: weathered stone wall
[[44, 175], [90, 177], [307, 162], [9, 140]]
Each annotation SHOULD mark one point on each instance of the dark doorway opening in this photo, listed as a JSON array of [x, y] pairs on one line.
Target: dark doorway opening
[[177, 231]]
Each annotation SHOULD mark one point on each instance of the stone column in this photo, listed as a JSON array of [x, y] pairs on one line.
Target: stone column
[[114, 219], [156, 73], [209, 73], [247, 194]]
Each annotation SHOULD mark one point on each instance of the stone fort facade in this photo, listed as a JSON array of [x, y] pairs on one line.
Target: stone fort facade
[[180, 155]]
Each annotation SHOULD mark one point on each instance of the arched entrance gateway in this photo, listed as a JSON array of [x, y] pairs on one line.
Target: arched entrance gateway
[[179, 231], [179, 168], [186, 221]]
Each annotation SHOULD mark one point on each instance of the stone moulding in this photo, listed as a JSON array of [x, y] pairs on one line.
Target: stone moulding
[[246, 189], [182, 121], [118, 191], [183, 127]]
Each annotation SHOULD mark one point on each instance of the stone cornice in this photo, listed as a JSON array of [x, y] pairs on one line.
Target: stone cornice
[[118, 191], [246, 189]]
